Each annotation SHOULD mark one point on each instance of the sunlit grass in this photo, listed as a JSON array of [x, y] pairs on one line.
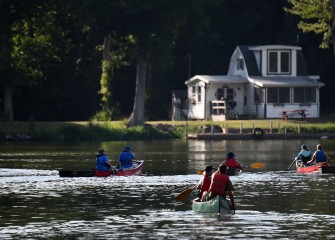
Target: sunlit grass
[[117, 130]]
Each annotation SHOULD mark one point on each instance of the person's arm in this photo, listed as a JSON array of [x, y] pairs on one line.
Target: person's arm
[[240, 166], [298, 156], [199, 184], [327, 157], [108, 164], [232, 200], [313, 158]]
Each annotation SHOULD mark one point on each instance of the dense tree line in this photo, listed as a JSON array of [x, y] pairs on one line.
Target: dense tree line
[[72, 60]]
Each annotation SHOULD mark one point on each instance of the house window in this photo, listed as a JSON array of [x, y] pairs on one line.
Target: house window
[[279, 62], [304, 95], [230, 94], [199, 94], [279, 95], [239, 64], [220, 94], [225, 93], [193, 91]]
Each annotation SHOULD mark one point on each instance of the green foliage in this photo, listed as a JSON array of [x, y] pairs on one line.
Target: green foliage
[[103, 115], [316, 16], [51, 50], [105, 84], [96, 132], [117, 131]]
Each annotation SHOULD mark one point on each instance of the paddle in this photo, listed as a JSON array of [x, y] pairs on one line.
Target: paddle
[[291, 165], [184, 194], [254, 165]]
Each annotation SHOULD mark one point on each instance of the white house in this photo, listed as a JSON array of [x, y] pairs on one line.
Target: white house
[[262, 82]]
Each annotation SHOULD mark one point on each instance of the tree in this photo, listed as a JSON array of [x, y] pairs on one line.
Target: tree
[[151, 23], [317, 16], [29, 33]]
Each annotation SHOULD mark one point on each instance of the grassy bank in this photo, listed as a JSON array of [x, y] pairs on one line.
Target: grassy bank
[[158, 130], [84, 131]]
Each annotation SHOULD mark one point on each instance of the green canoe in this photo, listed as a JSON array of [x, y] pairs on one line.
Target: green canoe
[[218, 204]]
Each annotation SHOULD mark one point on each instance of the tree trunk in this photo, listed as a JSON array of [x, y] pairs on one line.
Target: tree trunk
[[137, 116], [107, 48], [8, 103], [105, 75]]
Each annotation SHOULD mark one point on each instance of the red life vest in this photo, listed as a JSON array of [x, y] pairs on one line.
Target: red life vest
[[219, 183], [206, 182], [232, 163]]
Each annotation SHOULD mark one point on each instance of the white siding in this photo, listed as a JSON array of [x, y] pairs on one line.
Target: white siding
[[276, 111]]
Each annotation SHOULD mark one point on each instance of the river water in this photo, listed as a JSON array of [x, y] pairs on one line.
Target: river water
[[272, 203]]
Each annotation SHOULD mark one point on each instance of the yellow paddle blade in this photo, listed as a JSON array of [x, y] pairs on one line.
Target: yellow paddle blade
[[184, 194], [201, 172], [257, 165]]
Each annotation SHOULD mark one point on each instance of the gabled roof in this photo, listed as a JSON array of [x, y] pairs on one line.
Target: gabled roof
[[218, 79], [250, 60]]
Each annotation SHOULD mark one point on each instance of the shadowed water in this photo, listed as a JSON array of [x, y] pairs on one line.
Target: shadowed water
[[272, 203]]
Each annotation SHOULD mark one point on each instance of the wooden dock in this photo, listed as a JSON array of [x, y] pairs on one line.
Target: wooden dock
[[252, 136]]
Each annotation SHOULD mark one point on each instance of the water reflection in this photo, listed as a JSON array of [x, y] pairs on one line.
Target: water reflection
[[271, 203]]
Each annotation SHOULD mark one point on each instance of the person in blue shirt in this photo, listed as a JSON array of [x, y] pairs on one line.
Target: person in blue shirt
[[125, 158], [319, 155], [304, 155], [101, 161]]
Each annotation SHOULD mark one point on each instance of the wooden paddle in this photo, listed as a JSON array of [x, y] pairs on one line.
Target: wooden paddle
[[184, 194], [254, 165], [291, 165]]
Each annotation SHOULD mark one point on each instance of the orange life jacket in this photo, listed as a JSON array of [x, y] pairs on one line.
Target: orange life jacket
[[206, 182], [219, 183]]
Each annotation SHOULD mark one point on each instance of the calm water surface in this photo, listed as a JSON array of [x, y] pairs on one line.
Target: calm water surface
[[35, 203]]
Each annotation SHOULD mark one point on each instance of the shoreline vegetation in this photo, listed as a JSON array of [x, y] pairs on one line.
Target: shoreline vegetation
[[155, 130]]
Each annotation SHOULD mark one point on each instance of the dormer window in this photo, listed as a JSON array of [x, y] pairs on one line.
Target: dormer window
[[279, 62], [239, 64]]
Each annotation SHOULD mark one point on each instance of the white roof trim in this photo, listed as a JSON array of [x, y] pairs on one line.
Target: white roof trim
[[217, 79], [285, 82], [274, 47]]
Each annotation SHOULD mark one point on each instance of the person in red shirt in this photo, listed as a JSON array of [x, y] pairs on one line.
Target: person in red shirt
[[231, 162], [221, 185], [205, 181]]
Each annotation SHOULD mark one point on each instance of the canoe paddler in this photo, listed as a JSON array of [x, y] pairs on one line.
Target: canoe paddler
[[126, 158], [221, 185], [231, 162], [205, 181], [101, 161]]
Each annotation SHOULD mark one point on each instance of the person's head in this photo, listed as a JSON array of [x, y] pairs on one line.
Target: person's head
[[127, 148], [208, 170], [230, 155], [319, 147], [304, 146], [222, 169], [101, 150]]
